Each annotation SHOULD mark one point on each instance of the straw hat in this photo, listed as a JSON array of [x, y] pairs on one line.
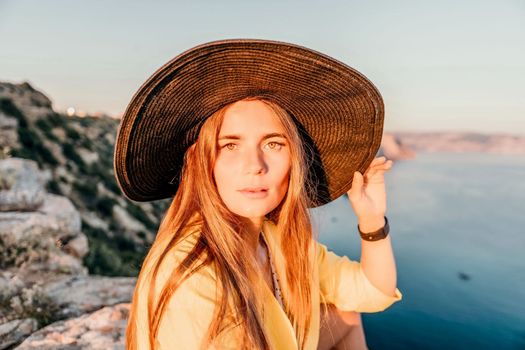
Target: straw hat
[[338, 111]]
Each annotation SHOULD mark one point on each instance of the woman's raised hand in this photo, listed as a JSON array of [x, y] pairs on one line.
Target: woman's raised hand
[[368, 194]]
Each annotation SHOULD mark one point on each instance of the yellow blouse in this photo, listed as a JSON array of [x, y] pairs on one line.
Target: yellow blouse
[[338, 281]]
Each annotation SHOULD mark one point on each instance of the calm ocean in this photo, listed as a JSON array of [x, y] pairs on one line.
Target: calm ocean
[[458, 230]]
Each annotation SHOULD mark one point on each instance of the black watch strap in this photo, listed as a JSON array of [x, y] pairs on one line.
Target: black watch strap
[[376, 235]]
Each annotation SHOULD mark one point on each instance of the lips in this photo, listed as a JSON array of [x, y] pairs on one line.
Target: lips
[[254, 192], [254, 189]]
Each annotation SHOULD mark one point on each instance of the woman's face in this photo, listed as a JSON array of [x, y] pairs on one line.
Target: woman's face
[[253, 161]]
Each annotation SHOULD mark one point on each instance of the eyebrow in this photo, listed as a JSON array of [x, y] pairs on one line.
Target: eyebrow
[[238, 137]]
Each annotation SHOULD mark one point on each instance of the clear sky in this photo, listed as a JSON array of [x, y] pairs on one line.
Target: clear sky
[[440, 65]]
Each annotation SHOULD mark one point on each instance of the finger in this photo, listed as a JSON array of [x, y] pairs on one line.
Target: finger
[[378, 160], [386, 165], [357, 184], [378, 169]]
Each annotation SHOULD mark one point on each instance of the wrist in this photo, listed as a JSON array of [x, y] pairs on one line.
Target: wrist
[[368, 233], [371, 224]]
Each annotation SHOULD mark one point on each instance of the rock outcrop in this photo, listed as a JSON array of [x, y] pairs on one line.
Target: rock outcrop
[[42, 277], [33, 102], [39, 231], [101, 330], [75, 156], [21, 188]]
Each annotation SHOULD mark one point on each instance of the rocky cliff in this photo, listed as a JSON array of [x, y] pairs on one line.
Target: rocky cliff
[[46, 293], [76, 154], [64, 225]]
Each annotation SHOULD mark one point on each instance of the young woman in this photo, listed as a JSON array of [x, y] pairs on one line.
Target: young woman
[[246, 135]]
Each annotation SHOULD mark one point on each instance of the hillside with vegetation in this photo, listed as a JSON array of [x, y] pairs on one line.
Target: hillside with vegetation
[[76, 153]]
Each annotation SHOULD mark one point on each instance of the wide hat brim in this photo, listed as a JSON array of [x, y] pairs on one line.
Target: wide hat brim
[[338, 111]]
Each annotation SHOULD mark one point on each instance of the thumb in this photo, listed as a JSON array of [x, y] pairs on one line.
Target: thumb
[[357, 184]]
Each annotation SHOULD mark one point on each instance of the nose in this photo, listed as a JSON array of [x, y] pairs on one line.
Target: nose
[[253, 162]]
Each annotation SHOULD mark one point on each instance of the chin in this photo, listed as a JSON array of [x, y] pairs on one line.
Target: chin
[[255, 211], [251, 208], [252, 213]]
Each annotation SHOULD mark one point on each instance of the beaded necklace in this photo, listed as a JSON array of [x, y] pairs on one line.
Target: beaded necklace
[[276, 287]]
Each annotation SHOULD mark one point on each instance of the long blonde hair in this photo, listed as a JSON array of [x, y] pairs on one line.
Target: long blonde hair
[[197, 204]]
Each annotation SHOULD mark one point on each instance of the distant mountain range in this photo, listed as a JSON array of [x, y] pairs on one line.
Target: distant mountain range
[[461, 142]]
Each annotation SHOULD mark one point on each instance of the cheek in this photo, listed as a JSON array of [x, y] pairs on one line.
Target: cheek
[[222, 175], [226, 179], [282, 175], [285, 183]]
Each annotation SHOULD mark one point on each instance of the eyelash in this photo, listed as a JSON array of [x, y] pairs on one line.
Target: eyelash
[[277, 143]]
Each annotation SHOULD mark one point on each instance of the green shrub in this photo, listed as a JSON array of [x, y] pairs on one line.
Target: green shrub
[[44, 125], [70, 152], [24, 252], [86, 121], [33, 148], [161, 206], [105, 174], [52, 187], [86, 143], [22, 153], [20, 302], [47, 129], [32, 145], [56, 119], [47, 156], [72, 133], [111, 182], [87, 188], [141, 216], [39, 103], [113, 226], [105, 206], [8, 107], [102, 260], [44, 309], [95, 169], [87, 191], [107, 256], [124, 244], [28, 138]]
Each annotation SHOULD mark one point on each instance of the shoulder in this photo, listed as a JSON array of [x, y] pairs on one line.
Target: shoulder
[[201, 282], [192, 306]]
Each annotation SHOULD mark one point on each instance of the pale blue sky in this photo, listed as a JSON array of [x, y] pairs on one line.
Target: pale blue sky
[[440, 65]]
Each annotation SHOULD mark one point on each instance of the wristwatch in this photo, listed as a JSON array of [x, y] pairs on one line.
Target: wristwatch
[[376, 235]]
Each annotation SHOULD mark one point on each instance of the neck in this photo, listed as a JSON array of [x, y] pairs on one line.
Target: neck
[[253, 227]]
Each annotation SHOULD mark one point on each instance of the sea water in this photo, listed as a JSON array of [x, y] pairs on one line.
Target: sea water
[[457, 226]]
